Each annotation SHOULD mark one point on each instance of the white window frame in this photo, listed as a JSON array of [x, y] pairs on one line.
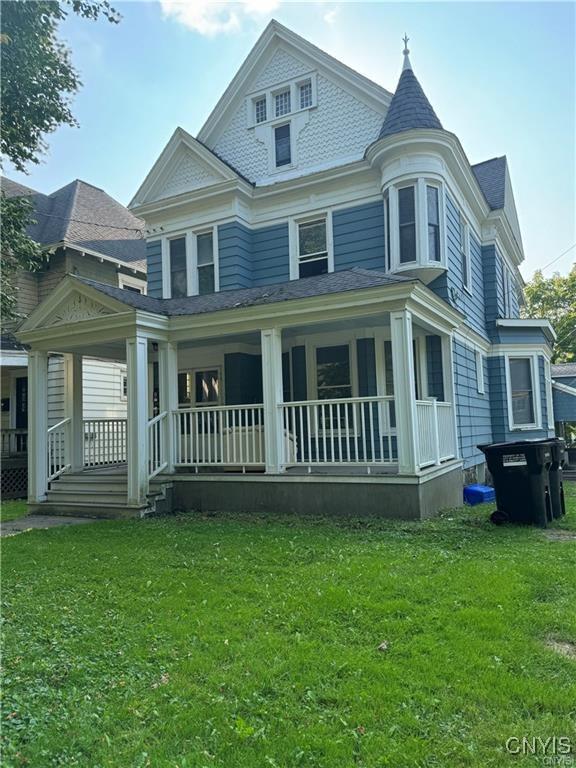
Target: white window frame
[[280, 92], [286, 166], [293, 86], [549, 396], [132, 282], [479, 359], [536, 404], [421, 214], [465, 253], [299, 86], [294, 240], [191, 260], [123, 378], [202, 369], [255, 99]]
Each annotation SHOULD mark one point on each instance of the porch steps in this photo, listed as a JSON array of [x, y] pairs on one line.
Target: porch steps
[[101, 494]]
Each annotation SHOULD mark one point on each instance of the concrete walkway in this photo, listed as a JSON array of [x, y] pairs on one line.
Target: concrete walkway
[[31, 522]]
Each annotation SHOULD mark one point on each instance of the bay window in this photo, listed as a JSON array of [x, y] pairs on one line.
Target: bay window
[[433, 223], [407, 224], [522, 395]]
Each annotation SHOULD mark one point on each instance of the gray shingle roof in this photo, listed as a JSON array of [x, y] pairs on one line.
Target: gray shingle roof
[[10, 343], [409, 108], [15, 189], [87, 218], [320, 285], [491, 177], [563, 369]]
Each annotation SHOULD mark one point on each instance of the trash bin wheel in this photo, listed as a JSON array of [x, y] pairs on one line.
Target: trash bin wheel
[[498, 517]]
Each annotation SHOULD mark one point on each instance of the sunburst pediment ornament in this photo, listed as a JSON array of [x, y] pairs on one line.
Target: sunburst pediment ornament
[[77, 309]]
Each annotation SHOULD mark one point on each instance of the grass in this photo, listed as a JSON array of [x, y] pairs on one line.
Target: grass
[[12, 510], [250, 641]]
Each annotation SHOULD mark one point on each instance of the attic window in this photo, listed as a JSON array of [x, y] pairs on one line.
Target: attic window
[[260, 110], [305, 91], [282, 145], [282, 103]]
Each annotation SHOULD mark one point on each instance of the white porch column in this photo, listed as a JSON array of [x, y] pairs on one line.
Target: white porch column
[[137, 373], [449, 385], [271, 344], [37, 426], [404, 395], [168, 382], [73, 410]]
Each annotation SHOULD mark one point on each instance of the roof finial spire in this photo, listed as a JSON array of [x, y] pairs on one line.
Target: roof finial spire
[[406, 64]]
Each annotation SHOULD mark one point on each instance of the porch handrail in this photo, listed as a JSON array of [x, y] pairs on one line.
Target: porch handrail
[[435, 431], [366, 399], [58, 444], [13, 441], [157, 461]]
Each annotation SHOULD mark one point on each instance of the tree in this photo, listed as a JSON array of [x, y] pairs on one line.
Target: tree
[[36, 87], [554, 298]]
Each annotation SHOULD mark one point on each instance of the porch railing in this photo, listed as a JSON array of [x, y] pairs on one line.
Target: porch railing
[[434, 422], [13, 442], [156, 444], [225, 435], [105, 442], [358, 430], [58, 441]]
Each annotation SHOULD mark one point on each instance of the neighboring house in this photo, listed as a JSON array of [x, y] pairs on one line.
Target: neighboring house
[[84, 232], [564, 396], [332, 319]]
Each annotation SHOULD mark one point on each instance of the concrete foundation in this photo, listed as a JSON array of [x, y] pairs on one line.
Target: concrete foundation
[[409, 498]]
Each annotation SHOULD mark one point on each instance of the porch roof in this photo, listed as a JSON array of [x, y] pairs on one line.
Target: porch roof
[[309, 287]]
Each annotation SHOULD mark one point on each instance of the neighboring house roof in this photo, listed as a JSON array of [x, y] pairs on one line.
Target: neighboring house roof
[[85, 217], [563, 369], [8, 342], [491, 176], [320, 285], [409, 108]]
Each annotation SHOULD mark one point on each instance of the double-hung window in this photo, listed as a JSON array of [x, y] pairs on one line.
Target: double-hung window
[[433, 212], [178, 270], [305, 94], [282, 145], [407, 224], [260, 111], [312, 248], [522, 394], [205, 259], [465, 253]]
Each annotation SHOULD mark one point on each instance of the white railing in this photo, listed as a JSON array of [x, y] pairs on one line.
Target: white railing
[[156, 444], [58, 442], [357, 430], [105, 442], [14, 442], [434, 423], [231, 435]]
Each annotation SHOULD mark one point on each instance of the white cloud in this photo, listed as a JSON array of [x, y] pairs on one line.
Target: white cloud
[[209, 17], [330, 16]]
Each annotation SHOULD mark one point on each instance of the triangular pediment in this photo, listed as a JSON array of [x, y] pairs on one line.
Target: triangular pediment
[[185, 165]]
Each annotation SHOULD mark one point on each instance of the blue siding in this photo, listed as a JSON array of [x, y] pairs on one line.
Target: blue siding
[[358, 235], [270, 255], [472, 408], [234, 253], [494, 290], [154, 268], [366, 357], [564, 406], [527, 335], [569, 381]]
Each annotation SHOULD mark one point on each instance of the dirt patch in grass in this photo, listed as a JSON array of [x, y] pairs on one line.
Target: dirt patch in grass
[[562, 647]]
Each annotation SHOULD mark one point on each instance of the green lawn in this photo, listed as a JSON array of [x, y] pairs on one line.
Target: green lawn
[[11, 510], [250, 641]]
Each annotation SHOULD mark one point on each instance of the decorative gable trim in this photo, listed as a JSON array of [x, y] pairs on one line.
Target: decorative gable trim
[[213, 170], [78, 308], [274, 37]]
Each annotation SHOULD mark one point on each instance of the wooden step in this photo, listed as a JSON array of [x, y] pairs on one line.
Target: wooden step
[[97, 511], [90, 496]]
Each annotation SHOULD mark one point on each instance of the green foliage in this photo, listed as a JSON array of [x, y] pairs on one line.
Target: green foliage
[[554, 298], [253, 640], [19, 252]]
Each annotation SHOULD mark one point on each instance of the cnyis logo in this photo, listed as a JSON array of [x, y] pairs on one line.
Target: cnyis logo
[[552, 750]]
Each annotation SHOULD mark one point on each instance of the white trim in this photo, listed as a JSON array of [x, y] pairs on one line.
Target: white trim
[[465, 253], [546, 325], [479, 359], [132, 282], [191, 245], [549, 398], [519, 350], [15, 357], [102, 257], [219, 367], [536, 394], [564, 388], [294, 239], [293, 86]]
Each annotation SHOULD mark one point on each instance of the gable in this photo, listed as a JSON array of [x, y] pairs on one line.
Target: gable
[[185, 173], [76, 308]]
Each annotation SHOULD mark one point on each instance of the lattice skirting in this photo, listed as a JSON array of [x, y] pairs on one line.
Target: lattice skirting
[[14, 480]]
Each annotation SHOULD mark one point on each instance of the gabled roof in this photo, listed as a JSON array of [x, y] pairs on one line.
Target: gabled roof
[[320, 285], [563, 369], [409, 108], [14, 189], [85, 217]]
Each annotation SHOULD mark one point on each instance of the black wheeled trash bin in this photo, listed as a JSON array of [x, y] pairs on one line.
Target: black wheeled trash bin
[[520, 474], [558, 448]]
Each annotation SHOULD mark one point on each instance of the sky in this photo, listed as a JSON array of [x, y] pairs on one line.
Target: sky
[[501, 76]]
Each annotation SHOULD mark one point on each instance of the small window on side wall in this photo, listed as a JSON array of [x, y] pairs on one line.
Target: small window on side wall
[[522, 404], [282, 146], [178, 272]]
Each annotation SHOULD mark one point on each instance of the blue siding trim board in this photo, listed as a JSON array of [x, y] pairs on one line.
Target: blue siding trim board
[[270, 255], [154, 268], [234, 251], [473, 412], [358, 236]]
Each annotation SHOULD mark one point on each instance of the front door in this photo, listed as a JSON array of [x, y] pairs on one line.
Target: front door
[[22, 402]]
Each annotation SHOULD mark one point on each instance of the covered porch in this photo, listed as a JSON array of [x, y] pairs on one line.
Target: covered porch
[[358, 391]]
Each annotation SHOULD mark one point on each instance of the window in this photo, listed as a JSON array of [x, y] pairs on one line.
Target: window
[[260, 110], [465, 253], [407, 224], [205, 255], [282, 145], [521, 404], [305, 91], [388, 260], [433, 223], [282, 103], [333, 383], [479, 371], [124, 387], [312, 248], [178, 280], [199, 387]]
